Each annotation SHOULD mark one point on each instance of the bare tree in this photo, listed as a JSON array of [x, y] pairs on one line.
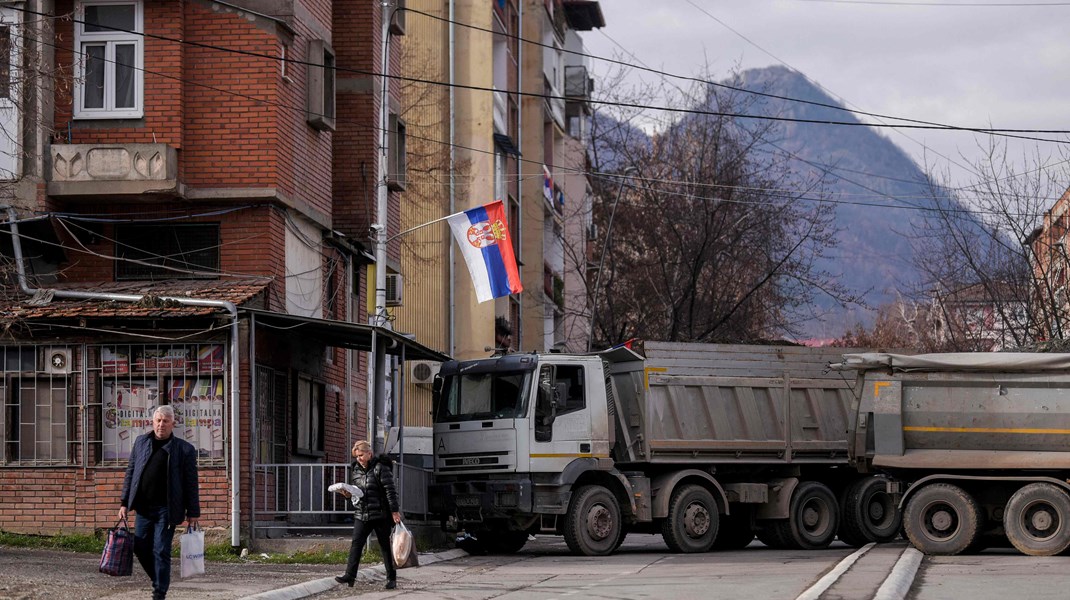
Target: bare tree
[[711, 240], [993, 279]]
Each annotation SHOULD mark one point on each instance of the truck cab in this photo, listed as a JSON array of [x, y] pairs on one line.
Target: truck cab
[[509, 433]]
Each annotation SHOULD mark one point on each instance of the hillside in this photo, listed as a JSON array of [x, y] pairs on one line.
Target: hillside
[[876, 186]]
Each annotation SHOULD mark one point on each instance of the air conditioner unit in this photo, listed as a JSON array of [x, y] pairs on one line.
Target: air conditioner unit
[[56, 361], [393, 289], [422, 372]]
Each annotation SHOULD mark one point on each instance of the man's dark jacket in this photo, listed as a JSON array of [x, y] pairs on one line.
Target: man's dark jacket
[[377, 482], [183, 497]]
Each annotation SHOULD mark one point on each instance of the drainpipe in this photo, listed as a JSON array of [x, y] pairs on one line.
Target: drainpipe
[[230, 307]]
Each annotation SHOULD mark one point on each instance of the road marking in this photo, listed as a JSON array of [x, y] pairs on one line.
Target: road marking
[[896, 586], [814, 592]]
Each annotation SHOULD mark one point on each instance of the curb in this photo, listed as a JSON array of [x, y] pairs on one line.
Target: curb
[[370, 574]]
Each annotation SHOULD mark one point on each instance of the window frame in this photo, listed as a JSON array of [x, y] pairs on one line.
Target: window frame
[[322, 98], [125, 237], [397, 166], [312, 447], [109, 39]]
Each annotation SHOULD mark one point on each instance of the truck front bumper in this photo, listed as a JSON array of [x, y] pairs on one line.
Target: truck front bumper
[[476, 501]]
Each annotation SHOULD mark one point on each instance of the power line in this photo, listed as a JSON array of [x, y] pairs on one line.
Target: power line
[[477, 150], [1005, 132]]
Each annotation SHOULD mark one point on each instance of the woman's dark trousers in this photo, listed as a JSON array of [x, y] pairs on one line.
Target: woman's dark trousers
[[361, 531]]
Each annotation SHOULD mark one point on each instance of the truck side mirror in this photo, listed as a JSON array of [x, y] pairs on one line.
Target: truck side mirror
[[436, 394]]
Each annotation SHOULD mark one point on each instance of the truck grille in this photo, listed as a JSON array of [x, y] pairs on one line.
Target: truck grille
[[473, 461]]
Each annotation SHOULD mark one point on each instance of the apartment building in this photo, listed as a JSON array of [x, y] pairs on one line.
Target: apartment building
[[194, 207]]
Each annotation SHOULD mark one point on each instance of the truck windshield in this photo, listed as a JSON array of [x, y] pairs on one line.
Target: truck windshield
[[478, 396]]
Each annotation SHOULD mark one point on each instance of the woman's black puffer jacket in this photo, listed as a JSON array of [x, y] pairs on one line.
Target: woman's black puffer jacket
[[377, 482]]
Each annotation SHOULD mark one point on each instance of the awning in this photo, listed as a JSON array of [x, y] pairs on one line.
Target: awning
[[342, 334]]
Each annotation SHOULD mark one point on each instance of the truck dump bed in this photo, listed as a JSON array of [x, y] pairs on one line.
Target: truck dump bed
[[733, 404], [965, 411]]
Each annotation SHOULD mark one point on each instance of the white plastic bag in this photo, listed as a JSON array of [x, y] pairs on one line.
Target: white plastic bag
[[403, 547], [354, 491], [192, 550]]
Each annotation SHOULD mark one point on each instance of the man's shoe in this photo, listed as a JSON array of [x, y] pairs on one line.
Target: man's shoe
[[390, 584], [348, 580]]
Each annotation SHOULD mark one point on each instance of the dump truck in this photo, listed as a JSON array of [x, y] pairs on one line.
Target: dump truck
[[709, 445], [980, 440]]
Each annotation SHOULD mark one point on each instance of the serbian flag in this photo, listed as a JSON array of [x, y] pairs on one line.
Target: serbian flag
[[483, 236]]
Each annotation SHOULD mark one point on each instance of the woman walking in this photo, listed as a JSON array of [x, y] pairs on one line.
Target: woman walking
[[374, 477]]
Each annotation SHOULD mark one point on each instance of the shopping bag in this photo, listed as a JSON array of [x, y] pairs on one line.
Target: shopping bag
[[118, 556], [192, 548], [403, 547]]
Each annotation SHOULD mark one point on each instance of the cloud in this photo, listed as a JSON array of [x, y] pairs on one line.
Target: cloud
[[962, 65]]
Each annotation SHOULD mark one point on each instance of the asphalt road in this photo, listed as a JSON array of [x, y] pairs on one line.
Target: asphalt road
[[644, 569]]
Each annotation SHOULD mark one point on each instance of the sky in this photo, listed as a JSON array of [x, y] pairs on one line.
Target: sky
[[984, 63]]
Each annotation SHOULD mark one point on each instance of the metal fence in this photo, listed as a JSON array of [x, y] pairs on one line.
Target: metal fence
[[295, 497]]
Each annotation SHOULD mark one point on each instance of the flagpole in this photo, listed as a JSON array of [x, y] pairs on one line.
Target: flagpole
[[407, 231]]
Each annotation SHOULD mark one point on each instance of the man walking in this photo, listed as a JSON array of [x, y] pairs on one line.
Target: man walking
[[161, 487]]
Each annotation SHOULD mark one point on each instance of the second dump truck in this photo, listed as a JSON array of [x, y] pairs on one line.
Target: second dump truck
[[982, 440], [708, 445]]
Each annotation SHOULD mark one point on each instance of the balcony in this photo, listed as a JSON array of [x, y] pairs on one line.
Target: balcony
[[112, 170], [578, 84]]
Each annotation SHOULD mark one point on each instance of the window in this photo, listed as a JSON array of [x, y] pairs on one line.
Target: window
[[135, 379], [109, 73], [189, 251], [572, 378], [5, 61], [321, 74], [396, 167], [308, 417], [37, 414]]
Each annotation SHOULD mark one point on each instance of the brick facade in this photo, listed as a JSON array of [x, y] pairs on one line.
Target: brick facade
[[248, 161]]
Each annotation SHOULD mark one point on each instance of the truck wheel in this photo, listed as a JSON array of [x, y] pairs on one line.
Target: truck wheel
[[1037, 520], [691, 525], [733, 533], [869, 513], [814, 516], [942, 519], [772, 533], [593, 523]]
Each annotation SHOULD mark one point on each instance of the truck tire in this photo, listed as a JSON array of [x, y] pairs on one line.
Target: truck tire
[[942, 519], [775, 534], [691, 525], [593, 523], [869, 513], [814, 516], [733, 533], [1037, 520]]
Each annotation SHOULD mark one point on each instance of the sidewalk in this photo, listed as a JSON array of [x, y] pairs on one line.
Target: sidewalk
[[47, 574]]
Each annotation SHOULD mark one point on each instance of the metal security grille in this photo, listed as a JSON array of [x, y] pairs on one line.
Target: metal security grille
[[186, 251], [39, 416], [128, 381]]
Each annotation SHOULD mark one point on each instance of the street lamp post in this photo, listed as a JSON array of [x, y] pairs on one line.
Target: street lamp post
[[602, 257]]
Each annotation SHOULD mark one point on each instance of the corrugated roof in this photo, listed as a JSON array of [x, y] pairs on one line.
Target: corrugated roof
[[153, 306]]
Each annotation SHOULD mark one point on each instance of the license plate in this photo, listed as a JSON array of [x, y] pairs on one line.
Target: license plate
[[467, 500]]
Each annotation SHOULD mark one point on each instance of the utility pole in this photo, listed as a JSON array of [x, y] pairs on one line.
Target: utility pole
[[379, 364], [602, 257]]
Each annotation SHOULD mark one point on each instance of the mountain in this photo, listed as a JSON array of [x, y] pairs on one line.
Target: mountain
[[877, 189], [880, 194]]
